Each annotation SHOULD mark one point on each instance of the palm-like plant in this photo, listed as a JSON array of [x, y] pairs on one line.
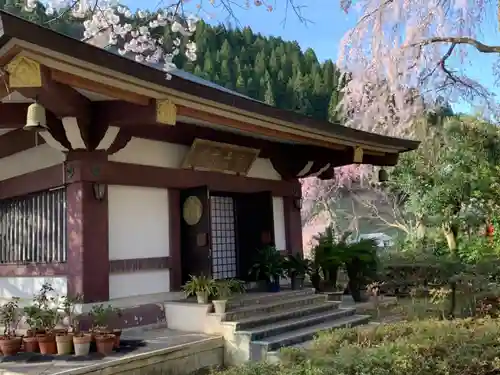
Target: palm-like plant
[[268, 265], [333, 252], [329, 254]]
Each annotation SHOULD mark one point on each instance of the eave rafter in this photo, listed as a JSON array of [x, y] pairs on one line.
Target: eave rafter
[[71, 122]]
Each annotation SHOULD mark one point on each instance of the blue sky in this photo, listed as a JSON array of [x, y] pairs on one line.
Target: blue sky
[[327, 24]]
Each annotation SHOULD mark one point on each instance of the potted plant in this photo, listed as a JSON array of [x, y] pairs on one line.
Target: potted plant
[[296, 268], [64, 340], [9, 317], [337, 293], [47, 341], [201, 286], [71, 318], [45, 301], [81, 342], [33, 320], [268, 267], [105, 343], [361, 266], [329, 255], [223, 290], [104, 336]]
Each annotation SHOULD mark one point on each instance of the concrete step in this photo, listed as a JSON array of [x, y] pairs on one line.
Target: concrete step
[[260, 333], [260, 349], [273, 307], [265, 298], [260, 320]]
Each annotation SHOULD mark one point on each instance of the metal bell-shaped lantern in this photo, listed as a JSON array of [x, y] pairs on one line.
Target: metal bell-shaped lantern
[[36, 118]]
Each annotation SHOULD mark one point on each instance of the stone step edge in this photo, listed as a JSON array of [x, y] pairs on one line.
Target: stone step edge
[[339, 323], [283, 315], [267, 305], [248, 298], [333, 315]]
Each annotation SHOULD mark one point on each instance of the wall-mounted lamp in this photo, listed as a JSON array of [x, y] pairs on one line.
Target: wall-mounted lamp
[[297, 202], [36, 118], [99, 191]]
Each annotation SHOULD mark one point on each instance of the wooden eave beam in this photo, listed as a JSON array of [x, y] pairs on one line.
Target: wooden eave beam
[[13, 115], [141, 121], [17, 141], [99, 88], [62, 100], [120, 113], [123, 114]]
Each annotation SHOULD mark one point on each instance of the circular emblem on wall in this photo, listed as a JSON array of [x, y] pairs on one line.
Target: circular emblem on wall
[[192, 210]]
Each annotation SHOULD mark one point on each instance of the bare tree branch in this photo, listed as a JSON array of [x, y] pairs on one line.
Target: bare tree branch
[[481, 47]]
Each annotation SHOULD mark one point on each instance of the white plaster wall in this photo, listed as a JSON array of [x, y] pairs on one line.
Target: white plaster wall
[[138, 222], [170, 155], [263, 168], [139, 227], [26, 287], [279, 223], [30, 160], [153, 153], [138, 283]]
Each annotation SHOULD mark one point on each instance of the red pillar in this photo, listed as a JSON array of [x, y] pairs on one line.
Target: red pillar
[[293, 226], [174, 206], [87, 231]]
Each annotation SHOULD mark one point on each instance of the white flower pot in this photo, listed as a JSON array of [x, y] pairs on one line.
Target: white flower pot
[[220, 306], [202, 297], [82, 345]]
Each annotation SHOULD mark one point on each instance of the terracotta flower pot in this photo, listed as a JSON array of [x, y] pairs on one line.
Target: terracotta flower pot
[[10, 345], [118, 334], [37, 331], [82, 344], [64, 344], [47, 344], [105, 344], [31, 344]]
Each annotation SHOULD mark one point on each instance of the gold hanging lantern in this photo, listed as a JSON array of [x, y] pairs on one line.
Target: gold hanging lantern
[[36, 119]]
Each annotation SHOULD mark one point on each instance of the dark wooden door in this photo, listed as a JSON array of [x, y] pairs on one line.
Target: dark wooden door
[[195, 232], [255, 227]]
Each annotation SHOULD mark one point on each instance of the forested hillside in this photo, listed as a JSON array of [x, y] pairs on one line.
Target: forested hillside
[[265, 68]]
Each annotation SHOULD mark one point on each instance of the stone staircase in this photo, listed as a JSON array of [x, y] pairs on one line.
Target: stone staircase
[[257, 326]]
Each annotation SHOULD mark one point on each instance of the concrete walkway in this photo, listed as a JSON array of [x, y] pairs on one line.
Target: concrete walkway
[[136, 350]]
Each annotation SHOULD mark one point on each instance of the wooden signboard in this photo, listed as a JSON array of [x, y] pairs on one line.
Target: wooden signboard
[[220, 157]]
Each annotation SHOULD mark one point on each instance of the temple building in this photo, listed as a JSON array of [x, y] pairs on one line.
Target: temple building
[[131, 182]]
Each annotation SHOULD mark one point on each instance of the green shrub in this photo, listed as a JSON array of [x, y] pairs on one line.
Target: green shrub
[[423, 347], [426, 347]]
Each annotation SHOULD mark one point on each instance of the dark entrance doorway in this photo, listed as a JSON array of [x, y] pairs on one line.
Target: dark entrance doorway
[[220, 234], [195, 233], [255, 227]]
